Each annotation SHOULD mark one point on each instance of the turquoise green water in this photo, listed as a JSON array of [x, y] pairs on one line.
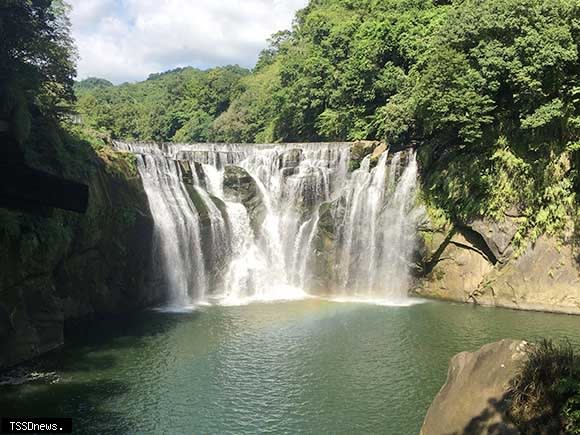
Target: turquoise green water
[[298, 367]]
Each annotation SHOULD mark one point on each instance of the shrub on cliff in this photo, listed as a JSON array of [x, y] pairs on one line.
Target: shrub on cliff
[[545, 395]]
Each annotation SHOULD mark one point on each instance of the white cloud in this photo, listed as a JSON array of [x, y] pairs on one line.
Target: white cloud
[[126, 40]]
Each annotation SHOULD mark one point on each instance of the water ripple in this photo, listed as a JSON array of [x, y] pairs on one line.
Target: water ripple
[[309, 366]]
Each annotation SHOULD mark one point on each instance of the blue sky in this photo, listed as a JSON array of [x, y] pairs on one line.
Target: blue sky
[[126, 40]]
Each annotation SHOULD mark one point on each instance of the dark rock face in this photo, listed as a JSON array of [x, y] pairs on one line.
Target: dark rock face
[[325, 250], [498, 236], [473, 399], [216, 262], [239, 186], [360, 150], [58, 265], [290, 159], [192, 172]]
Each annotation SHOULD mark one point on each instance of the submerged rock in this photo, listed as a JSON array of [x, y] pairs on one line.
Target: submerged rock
[[239, 186], [21, 375], [474, 397]]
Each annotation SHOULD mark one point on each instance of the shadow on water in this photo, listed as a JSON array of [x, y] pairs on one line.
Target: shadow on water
[[64, 400], [115, 331], [84, 366]]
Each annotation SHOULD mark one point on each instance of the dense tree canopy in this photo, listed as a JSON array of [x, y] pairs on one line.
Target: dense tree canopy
[[177, 105], [37, 62]]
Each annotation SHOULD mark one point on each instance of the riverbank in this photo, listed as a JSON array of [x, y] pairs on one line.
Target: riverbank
[[481, 263], [509, 387]]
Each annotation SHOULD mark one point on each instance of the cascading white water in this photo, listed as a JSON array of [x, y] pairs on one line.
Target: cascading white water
[[259, 232], [378, 230], [177, 230]]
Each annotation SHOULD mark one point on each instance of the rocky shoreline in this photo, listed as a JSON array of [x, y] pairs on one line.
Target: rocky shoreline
[[473, 399], [477, 263], [59, 266]]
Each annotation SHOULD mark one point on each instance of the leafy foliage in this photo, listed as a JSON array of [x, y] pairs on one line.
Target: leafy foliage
[[177, 105], [545, 394], [37, 64]]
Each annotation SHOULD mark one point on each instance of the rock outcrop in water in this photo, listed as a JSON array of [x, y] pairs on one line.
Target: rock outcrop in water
[[239, 186], [473, 399], [57, 265]]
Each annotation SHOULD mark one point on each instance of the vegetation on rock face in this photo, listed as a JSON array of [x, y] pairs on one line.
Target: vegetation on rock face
[[545, 395], [57, 265]]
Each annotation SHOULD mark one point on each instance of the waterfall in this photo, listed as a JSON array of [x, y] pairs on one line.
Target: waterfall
[[378, 229], [177, 231], [237, 223]]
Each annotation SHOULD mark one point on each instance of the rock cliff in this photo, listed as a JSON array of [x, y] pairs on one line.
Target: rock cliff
[[476, 263], [58, 265]]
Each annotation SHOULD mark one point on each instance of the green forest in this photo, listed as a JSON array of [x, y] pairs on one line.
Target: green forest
[[488, 91]]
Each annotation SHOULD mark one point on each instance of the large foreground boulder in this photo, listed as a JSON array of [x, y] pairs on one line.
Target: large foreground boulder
[[473, 399]]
